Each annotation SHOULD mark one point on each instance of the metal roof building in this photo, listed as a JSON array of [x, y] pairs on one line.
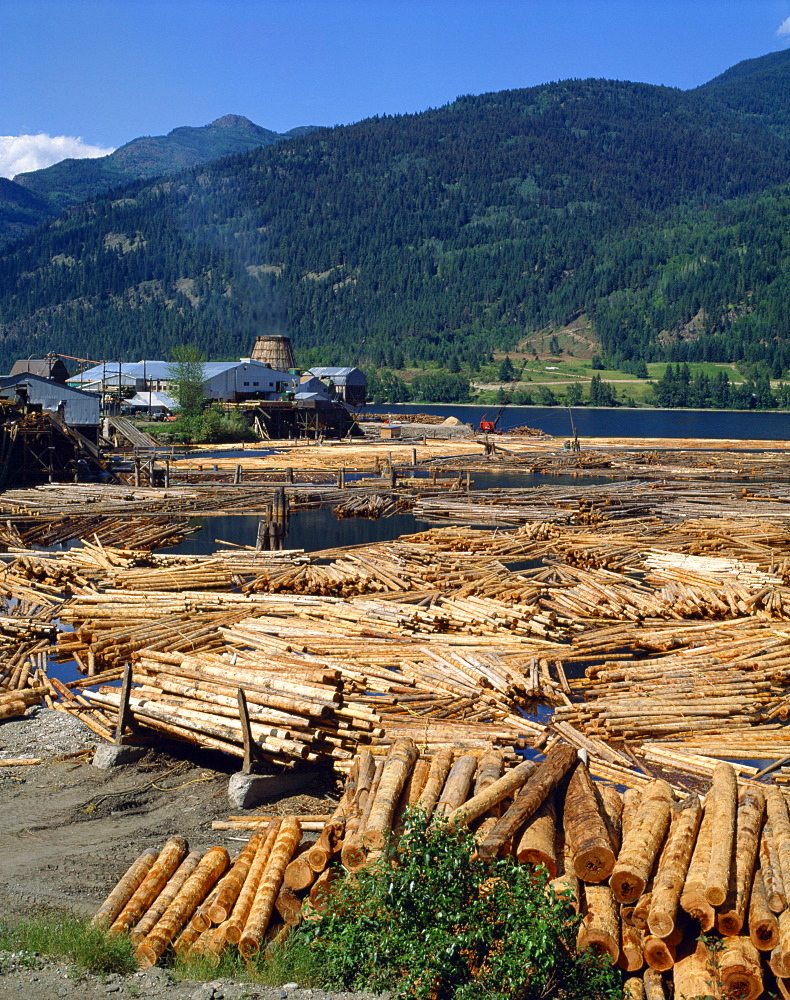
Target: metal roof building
[[350, 384], [222, 380], [79, 409]]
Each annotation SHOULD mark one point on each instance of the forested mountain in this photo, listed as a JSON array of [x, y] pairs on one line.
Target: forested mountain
[[70, 182], [436, 237], [757, 89], [20, 211]]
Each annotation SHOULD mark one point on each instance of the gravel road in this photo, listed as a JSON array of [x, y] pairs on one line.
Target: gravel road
[[68, 831]]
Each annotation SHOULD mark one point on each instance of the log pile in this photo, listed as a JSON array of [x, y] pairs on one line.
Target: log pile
[[650, 872]]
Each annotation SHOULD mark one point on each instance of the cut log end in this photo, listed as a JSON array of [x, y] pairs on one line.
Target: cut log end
[[626, 886]]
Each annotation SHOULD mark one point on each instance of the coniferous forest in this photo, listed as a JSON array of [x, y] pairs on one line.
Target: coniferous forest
[[436, 238]]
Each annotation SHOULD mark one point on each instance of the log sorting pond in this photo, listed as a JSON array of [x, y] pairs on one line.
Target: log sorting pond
[[646, 623]]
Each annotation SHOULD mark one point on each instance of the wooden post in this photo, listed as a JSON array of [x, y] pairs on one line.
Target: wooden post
[[251, 751], [136, 470], [289, 474], [262, 537], [167, 473], [414, 456], [125, 719]]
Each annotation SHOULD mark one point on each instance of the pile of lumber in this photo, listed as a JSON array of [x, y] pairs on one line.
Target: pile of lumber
[[727, 680], [141, 532], [373, 506]]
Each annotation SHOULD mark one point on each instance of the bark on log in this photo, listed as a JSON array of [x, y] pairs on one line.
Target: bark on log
[[170, 857], [694, 976], [640, 848], [545, 779], [641, 911], [192, 893], [400, 760], [763, 925], [231, 884], [673, 866], [352, 854], [722, 801], [732, 914], [771, 869], [654, 985], [599, 931], [234, 925], [269, 886], [437, 775], [692, 899], [538, 842], [612, 802], [289, 906], [457, 786], [631, 958], [489, 770], [165, 898], [319, 854], [634, 988], [780, 831], [322, 890], [585, 829], [631, 798], [493, 795], [781, 954], [124, 889]]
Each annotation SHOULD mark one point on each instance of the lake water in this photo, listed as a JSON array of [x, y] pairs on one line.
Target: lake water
[[313, 530], [760, 425]]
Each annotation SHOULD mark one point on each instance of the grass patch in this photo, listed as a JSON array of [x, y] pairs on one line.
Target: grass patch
[[294, 960], [67, 936]]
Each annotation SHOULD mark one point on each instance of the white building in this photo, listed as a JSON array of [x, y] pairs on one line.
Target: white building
[[223, 381]]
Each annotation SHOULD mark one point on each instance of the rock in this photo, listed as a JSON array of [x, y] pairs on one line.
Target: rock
[[204, 992], [290, 986], [245, 791], [110, 755]]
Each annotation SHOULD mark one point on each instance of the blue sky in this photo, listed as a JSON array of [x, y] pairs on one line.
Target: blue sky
[[110, 70]]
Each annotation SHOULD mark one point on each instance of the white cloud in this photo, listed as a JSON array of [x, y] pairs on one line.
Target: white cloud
[[784, 28], [20, 153]]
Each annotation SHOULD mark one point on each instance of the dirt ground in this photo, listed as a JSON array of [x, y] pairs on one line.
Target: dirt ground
[[68, 831]]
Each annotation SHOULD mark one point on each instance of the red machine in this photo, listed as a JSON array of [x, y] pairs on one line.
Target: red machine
[[490, 426]]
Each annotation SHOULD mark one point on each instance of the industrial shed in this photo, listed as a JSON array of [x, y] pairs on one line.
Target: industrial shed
[[79, 410], [349, 384], [224, 381]]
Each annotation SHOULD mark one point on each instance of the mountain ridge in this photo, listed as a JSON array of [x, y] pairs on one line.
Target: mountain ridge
[[439, 236], [75, 180]]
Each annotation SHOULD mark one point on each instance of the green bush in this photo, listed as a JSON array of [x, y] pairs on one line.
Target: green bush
[[439, 924], [67, 936], [212, 426]]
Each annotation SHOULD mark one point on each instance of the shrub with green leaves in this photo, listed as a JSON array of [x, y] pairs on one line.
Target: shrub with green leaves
[[437, 923]]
